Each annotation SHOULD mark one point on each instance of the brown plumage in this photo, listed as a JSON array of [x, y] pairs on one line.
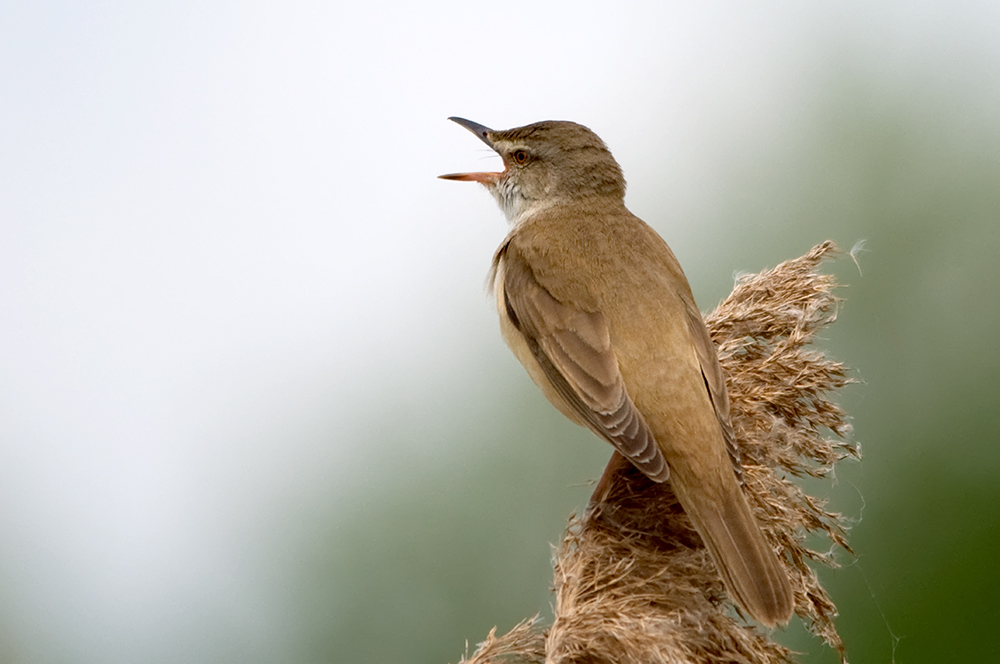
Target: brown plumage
[[596, 307]]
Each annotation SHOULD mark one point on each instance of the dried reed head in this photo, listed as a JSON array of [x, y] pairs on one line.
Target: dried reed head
[[634, 583]]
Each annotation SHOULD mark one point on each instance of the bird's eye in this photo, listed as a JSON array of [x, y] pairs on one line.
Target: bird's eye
[[520, 157]]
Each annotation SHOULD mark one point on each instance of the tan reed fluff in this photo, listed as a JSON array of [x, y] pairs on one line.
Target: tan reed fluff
[[634, 584]]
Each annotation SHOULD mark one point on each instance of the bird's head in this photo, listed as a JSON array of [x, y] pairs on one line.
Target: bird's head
[[545, 163]]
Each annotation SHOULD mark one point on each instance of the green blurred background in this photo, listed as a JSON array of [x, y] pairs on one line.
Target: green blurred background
[[253, 404]]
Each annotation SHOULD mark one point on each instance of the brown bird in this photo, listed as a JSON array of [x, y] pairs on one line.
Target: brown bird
[[596, 307]]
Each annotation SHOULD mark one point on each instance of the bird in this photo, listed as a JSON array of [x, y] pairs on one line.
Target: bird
[[597, 309]]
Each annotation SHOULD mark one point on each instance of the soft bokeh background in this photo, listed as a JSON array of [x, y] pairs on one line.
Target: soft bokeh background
[[253, 403]]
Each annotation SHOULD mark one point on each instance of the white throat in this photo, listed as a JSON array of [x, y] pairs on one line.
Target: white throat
[[515, 206]]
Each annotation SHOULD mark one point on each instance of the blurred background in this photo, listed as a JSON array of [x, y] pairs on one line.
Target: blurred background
[[254, 405]]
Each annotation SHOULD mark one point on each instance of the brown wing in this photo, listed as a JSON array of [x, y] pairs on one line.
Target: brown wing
[[715, 381], [573, 348]]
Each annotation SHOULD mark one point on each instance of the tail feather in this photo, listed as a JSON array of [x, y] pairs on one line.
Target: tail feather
[[750, 569]]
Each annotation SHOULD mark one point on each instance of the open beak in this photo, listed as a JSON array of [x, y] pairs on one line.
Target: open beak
[[483, 134]]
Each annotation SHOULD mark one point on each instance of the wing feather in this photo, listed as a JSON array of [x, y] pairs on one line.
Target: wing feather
[[715, 381], [573, 348]]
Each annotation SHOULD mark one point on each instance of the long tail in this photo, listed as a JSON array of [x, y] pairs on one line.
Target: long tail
[[750, 569]]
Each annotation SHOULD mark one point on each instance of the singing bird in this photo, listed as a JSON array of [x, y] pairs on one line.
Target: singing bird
[[596, 307]]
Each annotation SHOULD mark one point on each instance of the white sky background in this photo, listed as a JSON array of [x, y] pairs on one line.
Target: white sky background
[[221, 233]]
